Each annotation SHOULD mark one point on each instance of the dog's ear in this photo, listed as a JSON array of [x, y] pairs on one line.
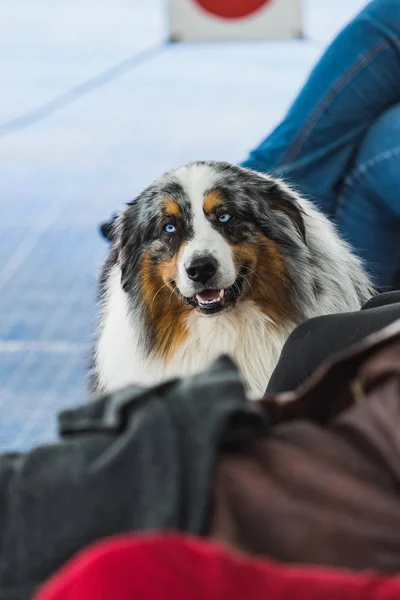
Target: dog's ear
[[282, 198], [128, 242], [107, 229]]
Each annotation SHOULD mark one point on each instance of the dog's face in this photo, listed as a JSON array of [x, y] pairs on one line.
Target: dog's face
[[207, 236]]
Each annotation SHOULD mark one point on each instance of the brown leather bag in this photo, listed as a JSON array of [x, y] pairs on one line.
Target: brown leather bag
[[324, 487]]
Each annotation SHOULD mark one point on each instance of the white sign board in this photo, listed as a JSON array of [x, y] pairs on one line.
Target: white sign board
[[230, 20]]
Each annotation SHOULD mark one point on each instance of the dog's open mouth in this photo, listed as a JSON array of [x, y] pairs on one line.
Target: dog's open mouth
[[212, 301]]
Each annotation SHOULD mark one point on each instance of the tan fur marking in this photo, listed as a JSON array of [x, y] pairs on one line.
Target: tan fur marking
[[171, 208], [267, 283], [211, 202], [165, 311]]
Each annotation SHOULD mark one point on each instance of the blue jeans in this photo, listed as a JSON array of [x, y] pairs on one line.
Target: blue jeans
[[339, 144]]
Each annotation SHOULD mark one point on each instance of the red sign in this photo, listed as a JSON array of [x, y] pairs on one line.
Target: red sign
[[232, 9]]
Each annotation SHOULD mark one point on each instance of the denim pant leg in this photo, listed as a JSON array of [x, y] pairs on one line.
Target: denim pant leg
[[368, 208], [356, 80]]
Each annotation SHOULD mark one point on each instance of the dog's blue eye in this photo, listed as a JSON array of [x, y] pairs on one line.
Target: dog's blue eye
[[169, 228], [224, 218]]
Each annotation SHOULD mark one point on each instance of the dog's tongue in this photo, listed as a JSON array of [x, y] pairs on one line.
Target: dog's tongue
[[209, 295]]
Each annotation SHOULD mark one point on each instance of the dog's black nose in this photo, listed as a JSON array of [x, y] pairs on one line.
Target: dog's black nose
[[202, 268]]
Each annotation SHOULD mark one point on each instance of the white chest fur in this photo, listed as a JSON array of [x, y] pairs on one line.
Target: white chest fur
[[245, 334]]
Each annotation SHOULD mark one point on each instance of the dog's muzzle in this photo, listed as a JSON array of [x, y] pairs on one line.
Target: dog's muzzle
[[209, 299]]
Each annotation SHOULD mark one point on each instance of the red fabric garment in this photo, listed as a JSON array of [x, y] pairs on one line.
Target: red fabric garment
[[181, 568]]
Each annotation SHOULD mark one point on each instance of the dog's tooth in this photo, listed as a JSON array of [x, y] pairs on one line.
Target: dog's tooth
[[222, 294], [213, 301]]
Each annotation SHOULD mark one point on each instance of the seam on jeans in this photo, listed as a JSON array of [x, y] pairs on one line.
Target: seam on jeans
[[359, 65], [360, 170], [370, 163]]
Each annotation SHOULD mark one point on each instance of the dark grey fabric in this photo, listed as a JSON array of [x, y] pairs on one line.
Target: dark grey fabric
[[135, 460], [315, 340]]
